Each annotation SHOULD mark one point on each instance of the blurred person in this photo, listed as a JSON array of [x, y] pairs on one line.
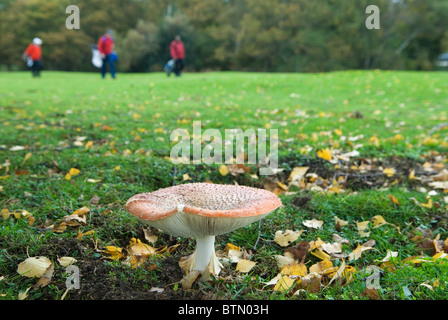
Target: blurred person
[[105, 47], [33, 56], [177, 52]]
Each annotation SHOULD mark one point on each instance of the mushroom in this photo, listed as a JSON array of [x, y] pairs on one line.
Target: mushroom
[[202, 211]]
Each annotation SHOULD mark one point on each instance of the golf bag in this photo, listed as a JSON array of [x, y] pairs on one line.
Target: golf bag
[[96, 57], [169, 66]]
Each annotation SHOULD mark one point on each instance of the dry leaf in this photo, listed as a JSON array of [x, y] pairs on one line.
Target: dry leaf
[[287, 237], [389, 172], [188, 280], [34, 267], [45, 279], [393, 199], [314, 223], [320, 254], [324, 154], [66, 261], [321, 266], [82, 211], [245, 265], [299, 252], [356, 254], [378, 221], [223, 170], [297, 175], [363, 228], [114, 252], [331, 248], [284, 284], [296, 269]]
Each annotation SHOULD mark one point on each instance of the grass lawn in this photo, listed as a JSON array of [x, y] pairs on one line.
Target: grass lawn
[[72, 140]]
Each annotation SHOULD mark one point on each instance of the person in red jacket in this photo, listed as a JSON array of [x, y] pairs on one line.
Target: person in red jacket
[[177, 51], [105, 47], [33, 56]]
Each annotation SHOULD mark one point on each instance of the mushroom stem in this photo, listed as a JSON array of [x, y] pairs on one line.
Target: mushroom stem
[[205, 254]]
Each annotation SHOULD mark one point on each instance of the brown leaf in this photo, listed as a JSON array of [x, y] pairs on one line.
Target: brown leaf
[[371, 293], [300, 251]]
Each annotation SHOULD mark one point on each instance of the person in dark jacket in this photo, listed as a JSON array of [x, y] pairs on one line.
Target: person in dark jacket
[[177, 52], [106, 47]]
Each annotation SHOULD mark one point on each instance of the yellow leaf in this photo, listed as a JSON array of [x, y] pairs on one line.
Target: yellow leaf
[[245, 265], [321, 266], [412, 175], [320, 254], [82, 211], [284, 284], [114, 252], [186, 177], [363, 228], [297, 269], [394, 199], [66, 261], [378, 221], [230, 246], [27, 156], [389, 172], [34, 267], [223, 170], [74, 172], [297, 175], [356, 254], [287, 237], [324, 154], [337, 132], [427, 205]]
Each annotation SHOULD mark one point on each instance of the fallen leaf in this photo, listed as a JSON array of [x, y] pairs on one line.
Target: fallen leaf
[[389, 254], [371, 293], [284, 284], [324, 154], [23, 295], [331, 248], [378, 221], [356, 254], [114, 252], [389, 172], [394, 199], [223, 170], [296, 175], [66, 261], [45, 279], [363, 228], [245, 265], [314, 223], [34, 267], [321, 266], [287, 237], [299, 252], [296, 269], [320, 254], [189, 279]]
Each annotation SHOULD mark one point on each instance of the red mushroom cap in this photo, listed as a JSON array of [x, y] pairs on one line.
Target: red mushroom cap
[[203, 199]]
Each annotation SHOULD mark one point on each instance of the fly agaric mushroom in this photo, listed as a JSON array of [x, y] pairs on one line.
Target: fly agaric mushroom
[[202, 211]]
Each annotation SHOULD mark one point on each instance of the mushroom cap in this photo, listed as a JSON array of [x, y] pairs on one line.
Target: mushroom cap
[[200, 209]]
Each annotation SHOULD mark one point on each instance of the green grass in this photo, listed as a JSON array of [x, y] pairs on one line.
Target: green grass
[[126, 125]]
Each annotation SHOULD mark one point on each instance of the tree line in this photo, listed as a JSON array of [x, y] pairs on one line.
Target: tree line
[[247, 35]]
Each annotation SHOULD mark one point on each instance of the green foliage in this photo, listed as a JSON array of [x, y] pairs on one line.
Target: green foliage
[[257, 35]]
